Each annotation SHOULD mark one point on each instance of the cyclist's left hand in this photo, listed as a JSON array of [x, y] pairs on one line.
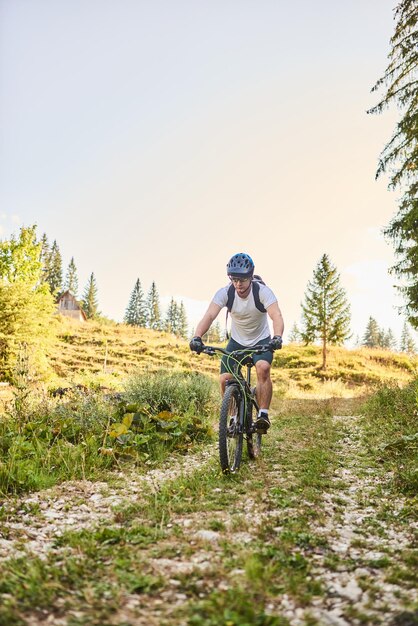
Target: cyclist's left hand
[[276, 342]]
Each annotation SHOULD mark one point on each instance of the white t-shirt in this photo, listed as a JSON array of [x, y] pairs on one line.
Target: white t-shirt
[[248, 324]]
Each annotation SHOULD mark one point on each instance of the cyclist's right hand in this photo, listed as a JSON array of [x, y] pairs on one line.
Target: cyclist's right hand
[[196, 345]]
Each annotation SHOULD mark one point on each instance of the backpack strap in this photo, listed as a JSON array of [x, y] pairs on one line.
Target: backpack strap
[[229, 303], [231, 297], [256, 294]]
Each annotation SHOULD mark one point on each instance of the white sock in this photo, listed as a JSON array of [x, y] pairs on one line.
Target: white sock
[[264, 411]]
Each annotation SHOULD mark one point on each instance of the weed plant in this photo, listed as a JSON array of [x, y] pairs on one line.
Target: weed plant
[[46, 440], [391, 420], [178, 392]]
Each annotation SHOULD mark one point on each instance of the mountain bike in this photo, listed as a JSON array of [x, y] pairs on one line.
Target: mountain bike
[[237, 409]]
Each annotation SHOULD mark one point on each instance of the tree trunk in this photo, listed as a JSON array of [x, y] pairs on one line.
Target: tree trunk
[[324, 354]]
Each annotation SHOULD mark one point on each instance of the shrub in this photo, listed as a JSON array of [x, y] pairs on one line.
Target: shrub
[[177, 392], [392, 431], [46, 440], [163, 412]]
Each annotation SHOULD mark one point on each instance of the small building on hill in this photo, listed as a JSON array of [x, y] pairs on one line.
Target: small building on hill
[[68, 306]]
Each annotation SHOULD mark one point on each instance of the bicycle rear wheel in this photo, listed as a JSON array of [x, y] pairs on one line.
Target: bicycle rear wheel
[[253, 439], [230, 431]]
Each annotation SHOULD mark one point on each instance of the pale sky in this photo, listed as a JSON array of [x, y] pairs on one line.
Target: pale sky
[[153, 140]]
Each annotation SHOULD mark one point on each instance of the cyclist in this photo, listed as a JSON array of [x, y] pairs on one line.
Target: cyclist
[[249, 326]]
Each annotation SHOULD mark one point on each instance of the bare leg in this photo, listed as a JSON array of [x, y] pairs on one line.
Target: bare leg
[[223, 378], [264, 384]]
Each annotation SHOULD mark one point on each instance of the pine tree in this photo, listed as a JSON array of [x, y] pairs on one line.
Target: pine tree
[[135, 314], [372, 335], [295, 335], [90, 302], [391, 340], [55, 269], [388, 340], [182, 321], [400, 155], [407, 342], [153, 308], [45, 259], [171, 318], [214, 334], [325, 312], [71, 279]]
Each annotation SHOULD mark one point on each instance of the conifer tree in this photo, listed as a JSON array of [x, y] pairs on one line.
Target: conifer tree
[[45, 259], [295, 335], [388, 340], [400, 155], [172, 318], [55, 269], [214, 334], [372, 335], [90, 301], [325, 312], [153, 308], [407, 342], [135, 314], [182, 321], [71, 279]]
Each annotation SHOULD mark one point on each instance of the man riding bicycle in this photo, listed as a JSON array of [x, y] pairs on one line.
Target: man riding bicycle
[[249, 326]]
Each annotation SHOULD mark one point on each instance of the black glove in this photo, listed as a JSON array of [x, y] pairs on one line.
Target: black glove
[[276, 342], [196, 345]]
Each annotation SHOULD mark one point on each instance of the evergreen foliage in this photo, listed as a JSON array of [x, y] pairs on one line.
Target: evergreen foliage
[[214, 334], [407, 342], [171, 318], [55, 269], [376, 337], [90, 300], [183, 325], [372, 336], [295, 335], [176, 321], [153, 309], [45, 258], [388, 340], [400, 155], [325, 312], [71, 279], [26, 305], [135, 314]]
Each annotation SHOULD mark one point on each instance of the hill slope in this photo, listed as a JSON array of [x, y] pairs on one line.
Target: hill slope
[[103, 354]]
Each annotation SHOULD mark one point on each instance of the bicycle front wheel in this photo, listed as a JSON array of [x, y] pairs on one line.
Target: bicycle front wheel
[[230, 431]]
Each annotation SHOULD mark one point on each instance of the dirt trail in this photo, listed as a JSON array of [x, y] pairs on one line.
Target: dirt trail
[[32, 523], [349, 566]]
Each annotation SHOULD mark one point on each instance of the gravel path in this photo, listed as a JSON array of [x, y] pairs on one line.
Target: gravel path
[[364, 542], [31, 524]]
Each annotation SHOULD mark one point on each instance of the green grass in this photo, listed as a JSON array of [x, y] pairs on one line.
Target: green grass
[[44, 441], [95, 569], [391, 428]]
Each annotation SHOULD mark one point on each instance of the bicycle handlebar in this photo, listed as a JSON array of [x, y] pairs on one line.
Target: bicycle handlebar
[[212, 350]]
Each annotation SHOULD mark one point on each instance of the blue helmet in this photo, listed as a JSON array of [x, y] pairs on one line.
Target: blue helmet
[[240, 265]]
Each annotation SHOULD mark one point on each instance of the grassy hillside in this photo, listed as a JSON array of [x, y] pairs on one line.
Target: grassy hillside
[[102, 354]]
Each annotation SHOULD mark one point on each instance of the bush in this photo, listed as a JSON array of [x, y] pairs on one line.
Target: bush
[[46, 440], [391, 419], [177, 392], [164, 412]]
